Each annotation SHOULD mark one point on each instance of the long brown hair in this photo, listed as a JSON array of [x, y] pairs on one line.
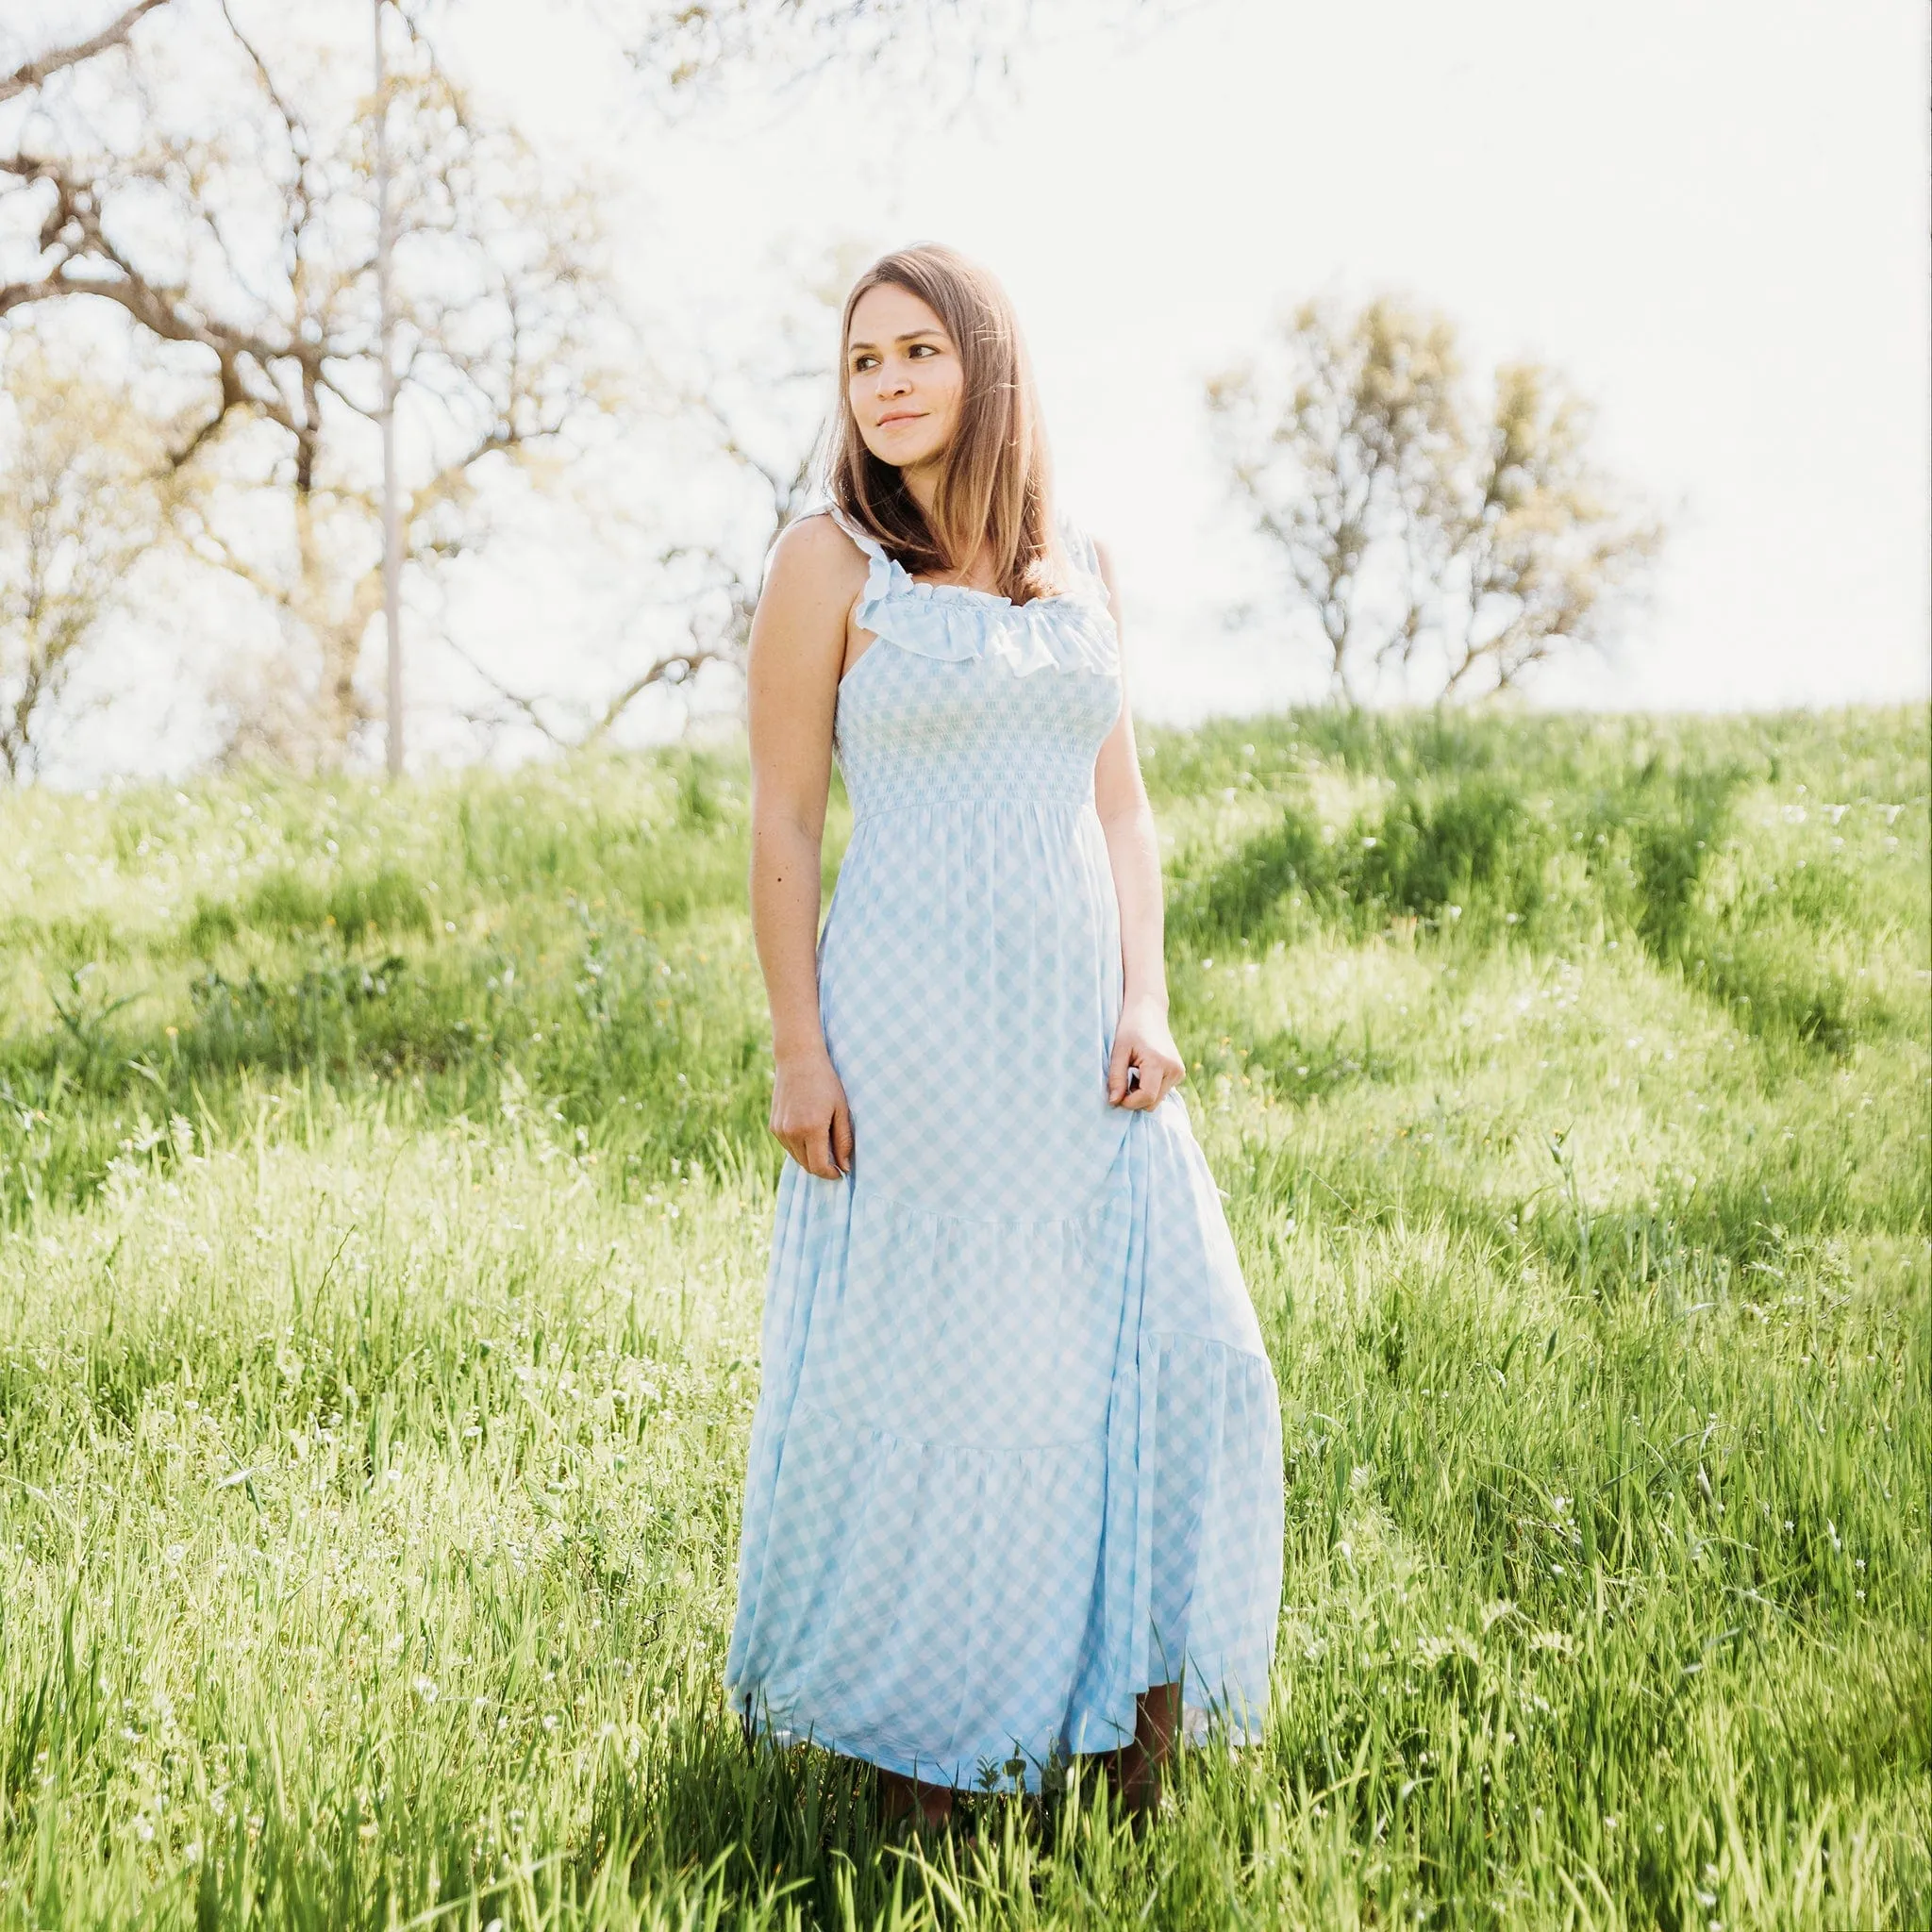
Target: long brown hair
[[996, 484]]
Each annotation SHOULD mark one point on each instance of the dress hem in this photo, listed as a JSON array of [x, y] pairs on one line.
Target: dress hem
[[1201, 1728]]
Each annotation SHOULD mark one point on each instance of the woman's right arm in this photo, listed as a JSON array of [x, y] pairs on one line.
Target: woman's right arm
[[796, 654]]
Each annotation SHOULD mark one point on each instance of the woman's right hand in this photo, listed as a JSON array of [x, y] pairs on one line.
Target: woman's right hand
[[810, 1116]]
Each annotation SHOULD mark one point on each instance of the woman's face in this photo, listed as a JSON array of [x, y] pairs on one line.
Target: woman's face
[[903, 378]]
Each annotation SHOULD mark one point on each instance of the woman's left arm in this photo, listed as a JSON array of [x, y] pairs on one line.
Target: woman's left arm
[[1142, 1038]]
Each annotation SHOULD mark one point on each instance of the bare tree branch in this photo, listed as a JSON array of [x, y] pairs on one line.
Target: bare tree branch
[[38, 72], [675, 668], [251, 253], [526, 707]]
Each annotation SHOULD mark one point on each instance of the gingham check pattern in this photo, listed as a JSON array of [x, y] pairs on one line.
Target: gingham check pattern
[[1017, 1453]]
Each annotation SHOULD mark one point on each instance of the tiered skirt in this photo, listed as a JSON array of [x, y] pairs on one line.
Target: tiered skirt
[[1007, 1474]]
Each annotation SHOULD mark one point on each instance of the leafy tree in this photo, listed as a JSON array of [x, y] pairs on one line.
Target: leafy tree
[[1430, 536]]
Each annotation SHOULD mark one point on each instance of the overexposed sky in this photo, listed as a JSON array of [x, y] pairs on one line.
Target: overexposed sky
[[1714, 217]]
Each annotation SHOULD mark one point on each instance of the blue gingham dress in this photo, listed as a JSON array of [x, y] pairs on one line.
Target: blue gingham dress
[[1017, 1450]]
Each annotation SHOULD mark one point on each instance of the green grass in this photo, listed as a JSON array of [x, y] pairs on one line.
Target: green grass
[[384, 1204]]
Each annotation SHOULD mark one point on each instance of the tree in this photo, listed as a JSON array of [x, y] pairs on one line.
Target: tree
[[1539, 550], [942, 46], [1431, 538], [36, 71], [78, 508], [737, 406], [215, 187], [201, 170]]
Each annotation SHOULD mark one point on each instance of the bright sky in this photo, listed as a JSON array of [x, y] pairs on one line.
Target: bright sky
[[1714, 217]]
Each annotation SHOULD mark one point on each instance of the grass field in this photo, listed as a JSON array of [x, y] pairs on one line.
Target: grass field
[[384, 1204]]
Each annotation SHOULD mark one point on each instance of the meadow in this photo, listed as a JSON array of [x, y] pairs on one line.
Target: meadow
[[385, 1195]]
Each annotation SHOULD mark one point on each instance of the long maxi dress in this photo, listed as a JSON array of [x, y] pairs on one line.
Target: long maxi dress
[[1016, 1455]]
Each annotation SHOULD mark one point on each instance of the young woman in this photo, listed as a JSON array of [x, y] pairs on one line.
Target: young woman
[[1015, 1477]]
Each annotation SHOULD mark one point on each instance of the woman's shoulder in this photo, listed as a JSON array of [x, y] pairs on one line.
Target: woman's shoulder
[[813, 552]]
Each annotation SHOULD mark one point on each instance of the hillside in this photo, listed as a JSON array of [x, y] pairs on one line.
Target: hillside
[[384, 1197]]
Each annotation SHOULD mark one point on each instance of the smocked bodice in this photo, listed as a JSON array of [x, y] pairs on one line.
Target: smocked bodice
[[967, 697]]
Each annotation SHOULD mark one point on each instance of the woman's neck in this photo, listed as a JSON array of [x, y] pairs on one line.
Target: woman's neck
[[923, 487]]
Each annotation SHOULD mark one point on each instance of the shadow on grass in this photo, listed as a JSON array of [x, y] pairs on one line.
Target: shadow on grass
[[1468, 850], [800, 1826]]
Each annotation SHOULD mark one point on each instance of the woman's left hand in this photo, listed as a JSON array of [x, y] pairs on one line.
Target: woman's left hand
[[1142, 1042]]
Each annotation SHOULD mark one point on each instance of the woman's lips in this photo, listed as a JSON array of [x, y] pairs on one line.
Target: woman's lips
[[910, 416]]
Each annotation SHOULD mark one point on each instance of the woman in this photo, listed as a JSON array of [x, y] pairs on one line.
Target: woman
[[1015, 1477]]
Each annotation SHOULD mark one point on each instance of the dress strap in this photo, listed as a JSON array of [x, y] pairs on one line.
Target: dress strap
[[874, 550], [863, 538], [1080, 549]]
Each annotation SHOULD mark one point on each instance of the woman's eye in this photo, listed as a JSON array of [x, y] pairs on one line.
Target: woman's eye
[[923, 349], [861, 363]]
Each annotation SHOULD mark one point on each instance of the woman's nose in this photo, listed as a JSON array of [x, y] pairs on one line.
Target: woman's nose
[[893, 381]]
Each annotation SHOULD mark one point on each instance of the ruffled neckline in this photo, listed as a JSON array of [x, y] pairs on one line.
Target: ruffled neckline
[[1070, 631]]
